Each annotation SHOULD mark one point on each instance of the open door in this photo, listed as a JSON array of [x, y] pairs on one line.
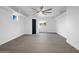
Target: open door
[[33, 26]]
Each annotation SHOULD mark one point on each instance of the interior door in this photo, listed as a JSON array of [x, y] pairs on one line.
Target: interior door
[[33, 26]]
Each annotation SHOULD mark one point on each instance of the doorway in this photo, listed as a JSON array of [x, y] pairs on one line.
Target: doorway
[[42, 26], [33, 26]]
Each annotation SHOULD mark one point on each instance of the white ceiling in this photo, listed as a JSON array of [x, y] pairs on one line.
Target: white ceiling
[[28, 11]]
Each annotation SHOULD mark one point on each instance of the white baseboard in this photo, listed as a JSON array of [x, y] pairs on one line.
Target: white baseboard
[[11, 39], [62, 35], [48, 32], [73, 45]]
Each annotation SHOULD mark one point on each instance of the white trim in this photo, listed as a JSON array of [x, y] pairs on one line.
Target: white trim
[[11, 39], [73, 45]]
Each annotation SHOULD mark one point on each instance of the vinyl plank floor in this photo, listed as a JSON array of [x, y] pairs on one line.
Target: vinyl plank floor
[[38, 43]]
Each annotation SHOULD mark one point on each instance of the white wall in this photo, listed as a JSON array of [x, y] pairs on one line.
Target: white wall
[[50, 27], [73, 19], [10, 29], [68, 26], [28, 26], [51, 24], [61, 25]]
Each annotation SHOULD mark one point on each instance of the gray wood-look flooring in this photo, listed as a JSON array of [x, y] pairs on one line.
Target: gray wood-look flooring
[[38, 43]]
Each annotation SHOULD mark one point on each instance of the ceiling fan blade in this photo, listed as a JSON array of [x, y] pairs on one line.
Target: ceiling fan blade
[[44, 13], [34, 13], [47, 10], [35, 9]]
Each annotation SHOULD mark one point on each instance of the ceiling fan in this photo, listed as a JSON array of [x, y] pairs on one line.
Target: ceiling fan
[[42, 11]]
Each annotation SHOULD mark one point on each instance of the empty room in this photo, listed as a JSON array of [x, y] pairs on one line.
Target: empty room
[[39, 29]]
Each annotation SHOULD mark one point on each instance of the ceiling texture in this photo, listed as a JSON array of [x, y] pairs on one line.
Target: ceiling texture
[[28, 11]]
